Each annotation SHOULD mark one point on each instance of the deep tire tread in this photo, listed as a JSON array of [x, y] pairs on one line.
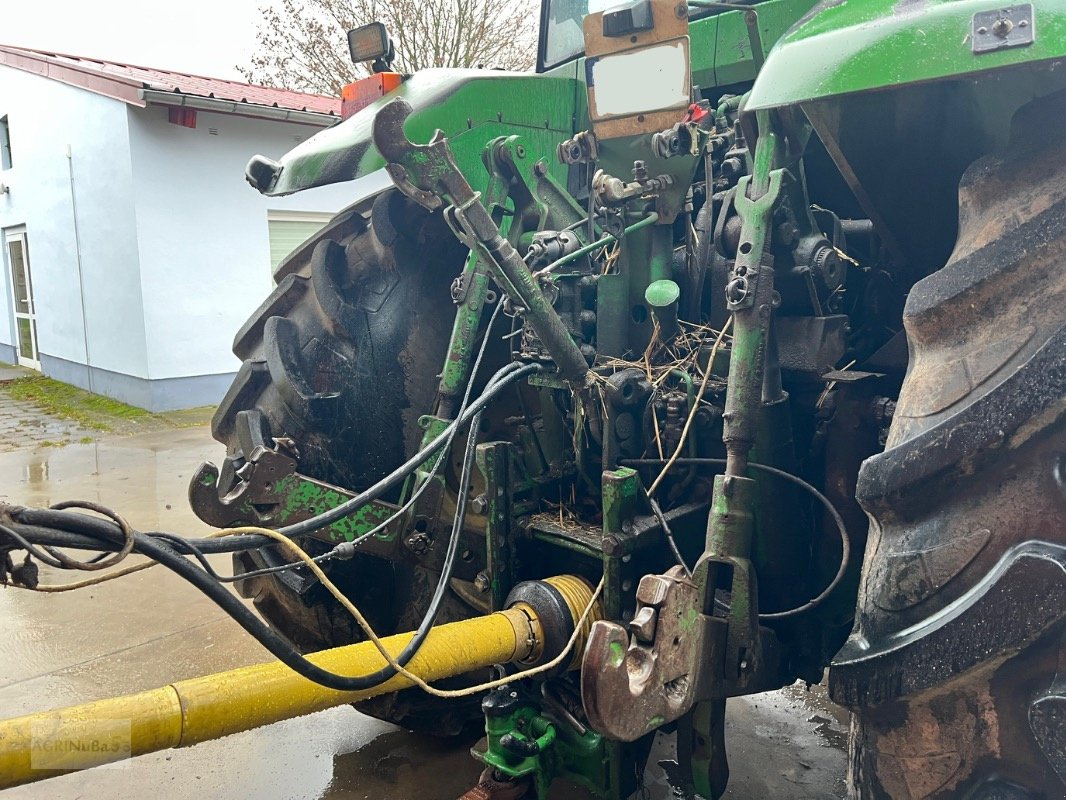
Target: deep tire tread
[[341, 358], [967, 502], [289, 291]]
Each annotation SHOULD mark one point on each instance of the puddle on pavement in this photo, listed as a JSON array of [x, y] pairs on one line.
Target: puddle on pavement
[[784, 744], [144, 477], [150, 629]]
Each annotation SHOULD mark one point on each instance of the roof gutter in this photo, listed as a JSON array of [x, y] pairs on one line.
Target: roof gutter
[[234, 107], [117, 87]]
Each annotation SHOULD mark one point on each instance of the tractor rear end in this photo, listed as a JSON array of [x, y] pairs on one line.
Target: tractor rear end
[[726, 297]]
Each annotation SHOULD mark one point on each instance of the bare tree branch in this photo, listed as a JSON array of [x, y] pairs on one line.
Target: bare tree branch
[[303, 44]]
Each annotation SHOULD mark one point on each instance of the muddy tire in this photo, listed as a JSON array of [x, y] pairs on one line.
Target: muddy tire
[[342, 359], [956, 669]]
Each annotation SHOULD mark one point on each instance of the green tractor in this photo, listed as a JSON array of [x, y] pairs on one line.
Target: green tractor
[[752, 315]]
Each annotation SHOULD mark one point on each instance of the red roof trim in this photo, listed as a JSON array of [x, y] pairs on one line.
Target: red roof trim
[[125, 81]]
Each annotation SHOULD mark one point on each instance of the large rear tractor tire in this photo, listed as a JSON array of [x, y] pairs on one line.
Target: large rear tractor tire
[[956, 669], [341, 359]]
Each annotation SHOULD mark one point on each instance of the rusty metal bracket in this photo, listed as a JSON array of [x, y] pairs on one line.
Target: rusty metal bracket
[[223, 506], [270, 492], [635, 681]]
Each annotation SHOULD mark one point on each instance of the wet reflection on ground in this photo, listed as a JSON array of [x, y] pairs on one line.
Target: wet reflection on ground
[[151, 628]]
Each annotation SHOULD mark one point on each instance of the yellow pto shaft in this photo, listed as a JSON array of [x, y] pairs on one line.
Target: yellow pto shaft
[[50, 743]]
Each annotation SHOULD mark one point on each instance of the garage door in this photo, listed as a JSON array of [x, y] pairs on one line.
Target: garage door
[[289, 230]]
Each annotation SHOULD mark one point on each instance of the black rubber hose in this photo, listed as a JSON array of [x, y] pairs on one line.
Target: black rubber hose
[[93, 532], [30, 547], [251, 622], [107, 530], [188, 548], [162, 553], [53, 537]]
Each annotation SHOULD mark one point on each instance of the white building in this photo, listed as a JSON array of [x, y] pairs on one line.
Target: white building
[[133, 249]]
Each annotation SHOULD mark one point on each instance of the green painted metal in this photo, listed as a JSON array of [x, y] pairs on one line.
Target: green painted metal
[[538, 201], [731, 525], [720, 46], [725, 39], [621, 491], [662, 293], [662, 296], [432, 170], [750, 296], [603, 241], [471, 107], [620, 497], [521, 742], [726, 564], [495, 460], [475, 282], [303, 498], [433, 427], [701, 743], [843, 48]]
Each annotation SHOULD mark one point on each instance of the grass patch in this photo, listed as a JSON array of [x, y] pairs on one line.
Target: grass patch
[[63, 400]]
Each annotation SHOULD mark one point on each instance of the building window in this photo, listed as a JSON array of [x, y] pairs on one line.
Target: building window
[[5, 144], [290, 229]]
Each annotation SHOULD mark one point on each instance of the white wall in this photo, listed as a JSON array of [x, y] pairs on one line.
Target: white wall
[[174, 243], [45, 117], [202, 232]]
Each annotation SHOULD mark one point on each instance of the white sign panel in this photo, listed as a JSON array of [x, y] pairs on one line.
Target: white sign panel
[[638, 81]]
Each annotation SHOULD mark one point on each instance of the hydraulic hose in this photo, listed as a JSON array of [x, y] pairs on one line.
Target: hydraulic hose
[[279, 647], [504, 378], [162, 553], [842, 530], [109, 531], [159, 550]]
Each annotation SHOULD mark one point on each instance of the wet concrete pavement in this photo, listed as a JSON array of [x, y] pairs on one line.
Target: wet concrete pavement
[[22, 423], [150, 628]]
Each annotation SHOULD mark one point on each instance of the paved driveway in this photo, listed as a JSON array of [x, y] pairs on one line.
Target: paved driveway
[[23, 424], [150, 628]]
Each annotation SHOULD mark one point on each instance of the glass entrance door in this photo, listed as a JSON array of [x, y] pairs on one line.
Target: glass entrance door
[[25, 316]]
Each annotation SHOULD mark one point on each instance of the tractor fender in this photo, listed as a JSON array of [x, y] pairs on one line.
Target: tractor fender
[[471, 107], [846, 47]]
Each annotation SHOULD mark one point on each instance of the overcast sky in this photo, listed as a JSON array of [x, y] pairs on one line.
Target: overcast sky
[[204, 37]]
